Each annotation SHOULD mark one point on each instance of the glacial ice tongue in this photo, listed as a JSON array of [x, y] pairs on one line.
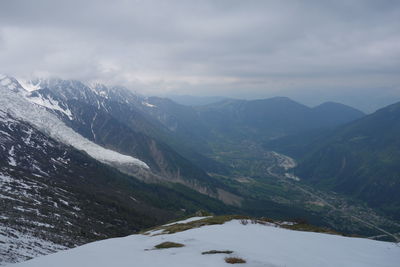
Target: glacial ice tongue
[[38, 116]]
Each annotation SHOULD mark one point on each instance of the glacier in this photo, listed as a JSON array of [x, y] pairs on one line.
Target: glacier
[[13, 101]]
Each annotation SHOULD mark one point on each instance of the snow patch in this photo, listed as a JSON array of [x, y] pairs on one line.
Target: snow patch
[[50, 103], [192, 219], [29, 85], [11, 159], [148, 105], [64, 202]]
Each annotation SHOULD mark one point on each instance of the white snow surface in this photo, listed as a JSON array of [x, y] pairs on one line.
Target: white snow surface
[[17, 105], [24, 244], [7, 82], [29, 85], [147, 104], [51, 104], [192, 219], [259, 245]]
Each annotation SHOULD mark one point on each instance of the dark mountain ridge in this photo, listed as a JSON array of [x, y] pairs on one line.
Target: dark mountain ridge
[[360, 159], [233, 121]]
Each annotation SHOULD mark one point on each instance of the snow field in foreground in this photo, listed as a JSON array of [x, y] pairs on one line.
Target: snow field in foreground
[[259, 245]]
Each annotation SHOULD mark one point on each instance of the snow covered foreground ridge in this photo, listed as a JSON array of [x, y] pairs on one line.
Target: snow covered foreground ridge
[[14, 101], [259, 245]]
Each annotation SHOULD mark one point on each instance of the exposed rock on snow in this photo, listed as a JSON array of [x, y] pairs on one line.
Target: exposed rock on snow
[[23, 245]]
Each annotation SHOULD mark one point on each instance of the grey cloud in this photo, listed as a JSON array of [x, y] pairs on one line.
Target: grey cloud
[[232, 48]]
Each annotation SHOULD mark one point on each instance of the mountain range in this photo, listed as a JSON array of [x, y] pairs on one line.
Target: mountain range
[[81, 162]]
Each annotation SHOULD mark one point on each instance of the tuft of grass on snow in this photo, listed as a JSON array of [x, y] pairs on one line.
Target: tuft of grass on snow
[[234, 260], [169, 245], [217, 252]]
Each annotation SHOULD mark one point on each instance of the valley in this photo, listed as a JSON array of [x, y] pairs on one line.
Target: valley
[[83, 163], [199, 133], [268, 175]]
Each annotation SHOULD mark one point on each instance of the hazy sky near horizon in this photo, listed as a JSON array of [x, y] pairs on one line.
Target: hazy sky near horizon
[[312, 51]]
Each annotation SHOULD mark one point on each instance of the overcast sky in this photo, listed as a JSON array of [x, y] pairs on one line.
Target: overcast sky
[[312, 51]]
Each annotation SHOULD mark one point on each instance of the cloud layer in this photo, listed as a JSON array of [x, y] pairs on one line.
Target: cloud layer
[[226, 47]]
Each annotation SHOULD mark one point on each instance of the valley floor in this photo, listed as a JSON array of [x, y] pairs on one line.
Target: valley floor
[[269, 176]]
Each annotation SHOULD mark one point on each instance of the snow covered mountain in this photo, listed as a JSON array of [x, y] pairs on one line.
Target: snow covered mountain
[[58, 190], [115, 118], [53, 197], [14, 99], [252, 243], [80, 163]]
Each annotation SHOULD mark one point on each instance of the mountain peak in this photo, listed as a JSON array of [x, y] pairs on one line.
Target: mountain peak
[[332, 104], [395, 107], [31, 85], [280, 98], [338, 111], [10, 83]]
